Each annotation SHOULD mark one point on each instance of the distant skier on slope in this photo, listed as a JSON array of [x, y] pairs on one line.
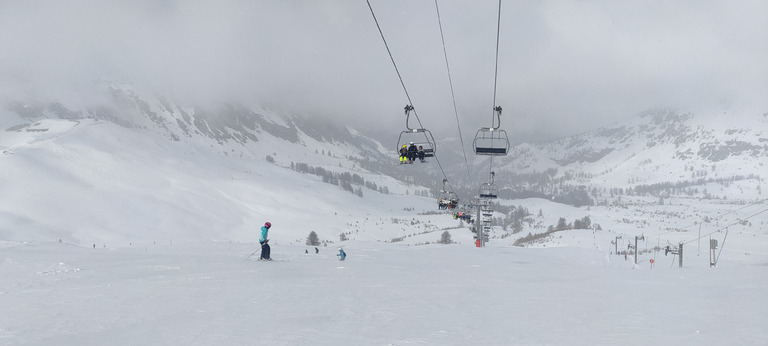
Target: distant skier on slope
[[342, 255], [265, 250]]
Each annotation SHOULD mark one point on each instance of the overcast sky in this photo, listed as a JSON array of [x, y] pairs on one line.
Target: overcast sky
[[564, 66]]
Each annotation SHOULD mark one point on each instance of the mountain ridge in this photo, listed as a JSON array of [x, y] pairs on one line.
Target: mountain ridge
[[659, 147]]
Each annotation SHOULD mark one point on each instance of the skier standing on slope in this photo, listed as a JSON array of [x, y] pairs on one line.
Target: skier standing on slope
[[263, 241], [342, 255]]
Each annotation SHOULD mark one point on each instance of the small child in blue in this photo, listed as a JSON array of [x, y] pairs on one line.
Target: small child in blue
[[342, 255]]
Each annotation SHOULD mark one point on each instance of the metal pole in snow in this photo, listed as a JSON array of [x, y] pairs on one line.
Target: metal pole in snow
[[478, 223], [635, 249], [699, 239]]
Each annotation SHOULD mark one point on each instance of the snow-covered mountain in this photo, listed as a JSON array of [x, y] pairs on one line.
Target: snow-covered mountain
[[65, 160], [127, 222], [118, 169], [222, 123], [656, 152]]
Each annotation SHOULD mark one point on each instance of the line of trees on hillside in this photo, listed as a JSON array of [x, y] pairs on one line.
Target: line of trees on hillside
[[675, 188], [352, 183], [562, 225]]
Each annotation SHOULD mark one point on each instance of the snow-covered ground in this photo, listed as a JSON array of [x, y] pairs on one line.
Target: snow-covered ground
[[383, 294], [111, 236]]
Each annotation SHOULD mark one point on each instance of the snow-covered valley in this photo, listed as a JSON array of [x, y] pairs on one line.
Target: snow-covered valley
[[111, 235]]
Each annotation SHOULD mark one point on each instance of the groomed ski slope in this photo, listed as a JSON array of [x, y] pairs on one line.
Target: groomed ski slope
[[383, 294]]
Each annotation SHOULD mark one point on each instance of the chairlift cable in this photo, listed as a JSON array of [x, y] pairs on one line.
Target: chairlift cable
[[453, 95], [446, 178], [496, 71], [399, 76], [408, 96], [729, 225], [496, 75], [490, 168], [717, 217]]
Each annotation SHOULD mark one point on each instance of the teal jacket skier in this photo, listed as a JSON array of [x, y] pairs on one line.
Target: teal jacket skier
[[264, 232], [342, 255], [265, 250]]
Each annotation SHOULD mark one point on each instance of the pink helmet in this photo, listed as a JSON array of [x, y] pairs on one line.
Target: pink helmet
[[267, 225]]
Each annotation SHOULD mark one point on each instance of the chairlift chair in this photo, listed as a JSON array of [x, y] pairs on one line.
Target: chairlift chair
[[447, 198], [492, 140], [425, 140], [446, 194], [416, 136], [488, 190]]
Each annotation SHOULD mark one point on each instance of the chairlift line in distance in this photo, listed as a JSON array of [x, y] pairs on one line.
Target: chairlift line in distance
[[416, 136], [492, 140]]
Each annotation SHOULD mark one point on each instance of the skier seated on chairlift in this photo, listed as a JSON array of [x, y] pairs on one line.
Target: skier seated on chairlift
[[403, 154], [421, 153], [412, 153]]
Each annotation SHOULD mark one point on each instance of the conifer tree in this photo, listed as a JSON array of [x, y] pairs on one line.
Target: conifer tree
[[446, 238], [312, 239]]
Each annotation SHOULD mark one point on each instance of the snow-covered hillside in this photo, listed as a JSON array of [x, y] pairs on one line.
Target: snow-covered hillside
[[653, 139], [136, 233], [87, 181], [658, 151]]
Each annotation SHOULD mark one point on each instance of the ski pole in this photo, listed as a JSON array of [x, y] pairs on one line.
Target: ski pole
[[249, 257]]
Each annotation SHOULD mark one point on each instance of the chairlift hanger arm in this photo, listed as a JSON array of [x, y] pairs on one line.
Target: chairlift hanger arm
[[497, 110], [408, 108]]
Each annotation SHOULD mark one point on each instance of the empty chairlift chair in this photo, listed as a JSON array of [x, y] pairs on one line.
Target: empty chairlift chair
[[492, 140], [488, 190]]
